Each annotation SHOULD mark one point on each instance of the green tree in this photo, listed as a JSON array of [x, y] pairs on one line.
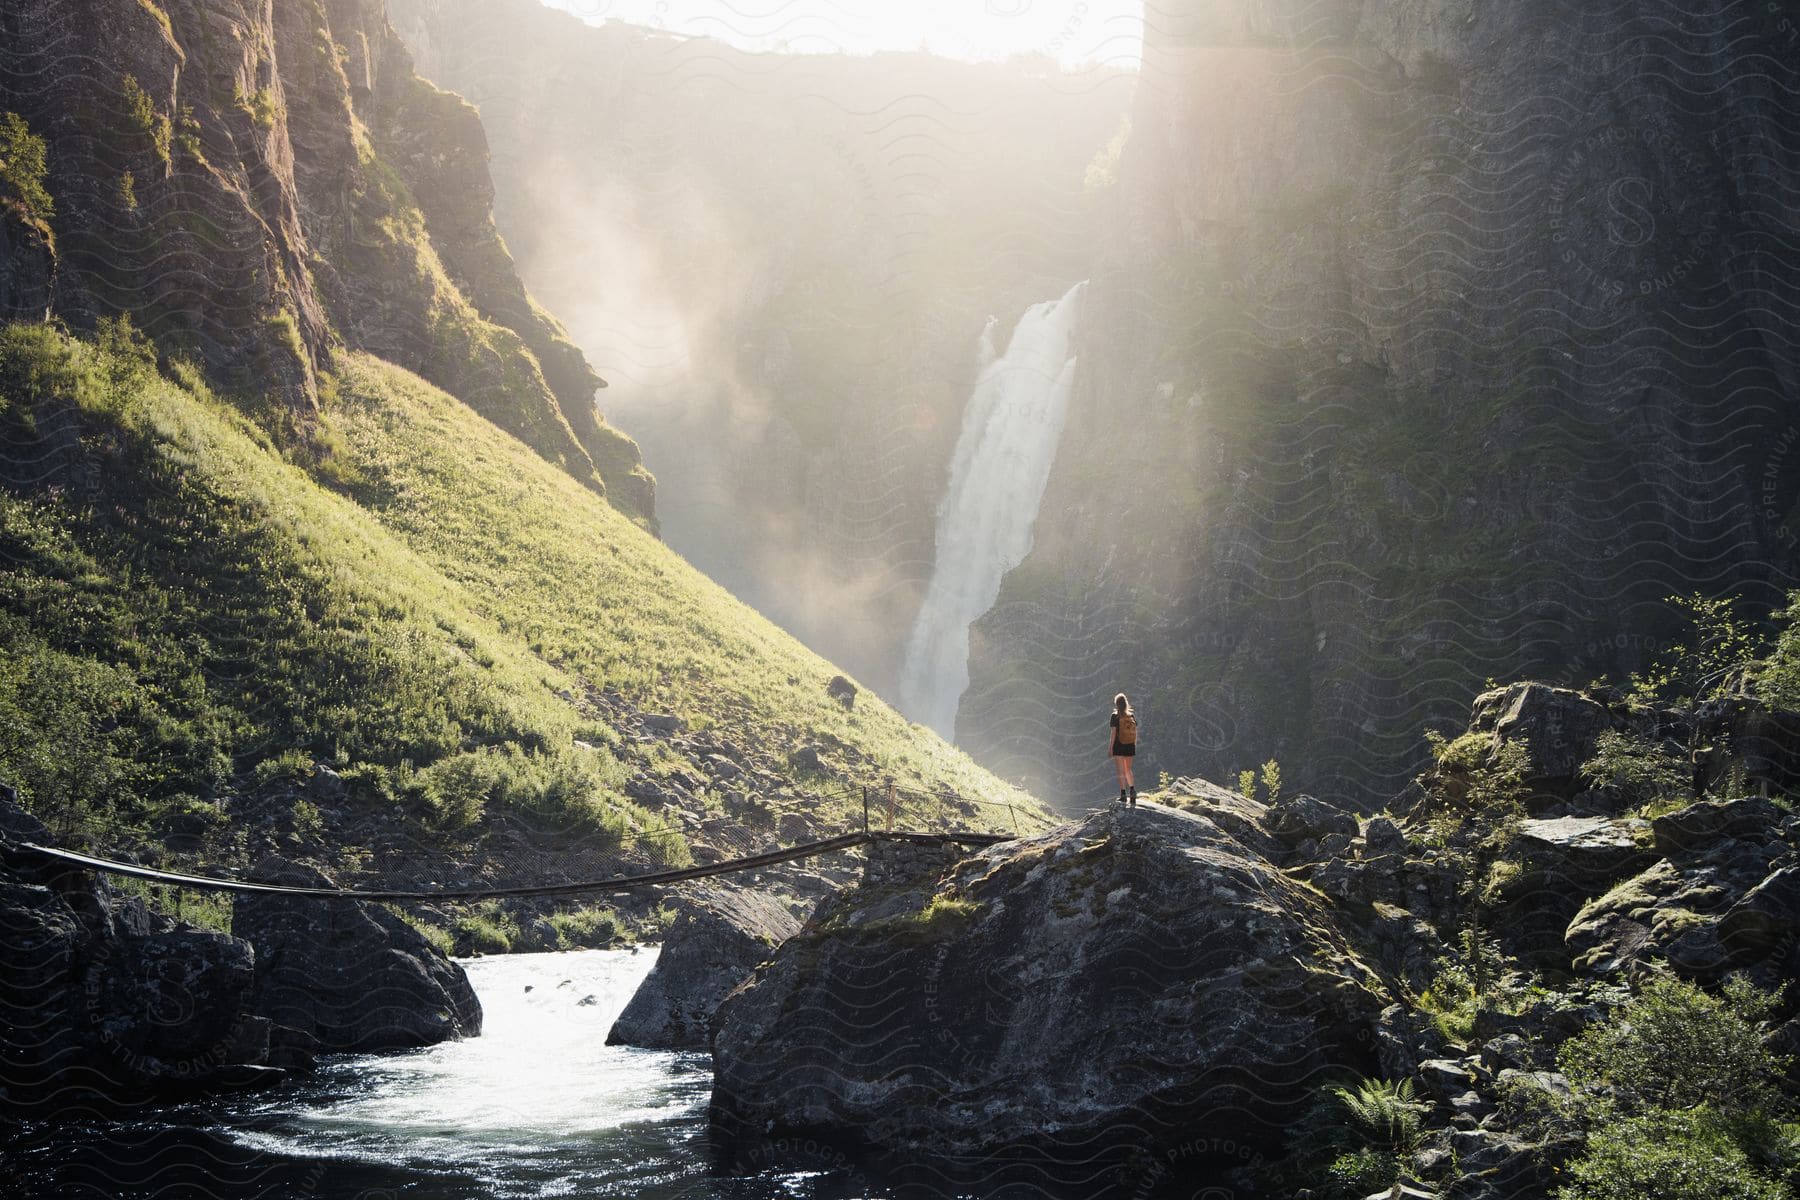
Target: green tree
[[1778, 682], [1719, 644], [1675, 1046]]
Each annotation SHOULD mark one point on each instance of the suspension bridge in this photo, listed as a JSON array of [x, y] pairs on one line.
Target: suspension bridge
[[616, 883], [867, 835]]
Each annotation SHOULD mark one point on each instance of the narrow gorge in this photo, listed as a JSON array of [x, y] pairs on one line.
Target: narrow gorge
[[561, 583]]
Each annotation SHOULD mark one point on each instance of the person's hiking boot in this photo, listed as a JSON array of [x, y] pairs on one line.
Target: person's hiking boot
[[1134, 795], [1121, 795]]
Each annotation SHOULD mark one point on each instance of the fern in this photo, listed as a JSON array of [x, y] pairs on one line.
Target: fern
[[1384, 1112]]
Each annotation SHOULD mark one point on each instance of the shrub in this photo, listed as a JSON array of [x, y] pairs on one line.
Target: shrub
[[1653, 778], [285, 767], [1360, 1173], [588, 927], [487, 929], [183, 815], [1676, 1046], [1271, 780], [309, 823], [207, 910], [260, 105], [1778, 681], [156, 129], [24, 165], [1667, 1155], [1480, 978], [1718, 645], [59, 744], [457, 789], [1477, 775]]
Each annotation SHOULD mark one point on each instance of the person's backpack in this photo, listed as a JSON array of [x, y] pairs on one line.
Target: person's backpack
[[1127, 729]]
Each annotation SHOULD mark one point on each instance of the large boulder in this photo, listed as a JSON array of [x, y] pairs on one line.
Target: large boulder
[[1116, 985], [1700, 824], [1248, 820], [1303, 818], [351, 976], [1767, 920], [720, 936], [1744, 737], [1706, 915], [1559, 728], [1550, 868]]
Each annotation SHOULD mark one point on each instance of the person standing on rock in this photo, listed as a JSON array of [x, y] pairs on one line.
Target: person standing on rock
[[1124, 748]]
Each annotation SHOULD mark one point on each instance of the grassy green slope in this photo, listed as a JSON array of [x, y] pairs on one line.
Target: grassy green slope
[[590, 593], [192, 619]]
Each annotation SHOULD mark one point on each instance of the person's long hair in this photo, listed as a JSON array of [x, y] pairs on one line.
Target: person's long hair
[[1122, 705]]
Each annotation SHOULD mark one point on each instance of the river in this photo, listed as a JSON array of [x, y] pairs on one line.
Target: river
[[538, 1105]]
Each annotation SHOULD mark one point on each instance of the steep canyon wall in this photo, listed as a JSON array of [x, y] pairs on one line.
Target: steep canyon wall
[[1429, 341]]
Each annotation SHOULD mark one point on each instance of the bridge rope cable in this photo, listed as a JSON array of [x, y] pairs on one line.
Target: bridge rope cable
[[620, 883]]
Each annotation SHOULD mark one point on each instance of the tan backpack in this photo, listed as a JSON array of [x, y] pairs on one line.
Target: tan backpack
[[1127, 729]]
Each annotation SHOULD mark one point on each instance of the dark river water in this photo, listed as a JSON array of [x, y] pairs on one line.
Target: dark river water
[[538, 1105]]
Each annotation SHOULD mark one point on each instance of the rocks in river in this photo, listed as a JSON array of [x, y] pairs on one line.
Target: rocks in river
[[1113, 985], [102, 1003], [720, 936], [352, 976]]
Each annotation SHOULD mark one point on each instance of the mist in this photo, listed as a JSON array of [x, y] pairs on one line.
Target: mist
[[782, 265]]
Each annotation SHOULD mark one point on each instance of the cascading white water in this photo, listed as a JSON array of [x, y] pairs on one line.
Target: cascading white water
[[1010, 431]]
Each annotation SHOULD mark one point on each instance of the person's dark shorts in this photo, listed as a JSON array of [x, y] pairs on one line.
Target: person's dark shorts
[[1124, 751]]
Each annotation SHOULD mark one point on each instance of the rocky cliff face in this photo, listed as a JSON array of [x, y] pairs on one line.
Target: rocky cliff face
[[257, 183], [1432, 341]]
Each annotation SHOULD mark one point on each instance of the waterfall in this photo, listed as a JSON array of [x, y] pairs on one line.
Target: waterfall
[[1010, 431]]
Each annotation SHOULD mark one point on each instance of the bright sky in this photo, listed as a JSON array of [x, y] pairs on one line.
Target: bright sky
[[1075, 31]]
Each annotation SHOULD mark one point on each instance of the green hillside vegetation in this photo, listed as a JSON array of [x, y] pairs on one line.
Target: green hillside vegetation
[[195, 615]]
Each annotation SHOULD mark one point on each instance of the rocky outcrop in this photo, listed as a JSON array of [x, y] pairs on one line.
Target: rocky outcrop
[[1410, 318], [27, 263], [1115, 984], [720, 936], [351, 977], [258, 185], [1557, 728], [1722, 900]]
